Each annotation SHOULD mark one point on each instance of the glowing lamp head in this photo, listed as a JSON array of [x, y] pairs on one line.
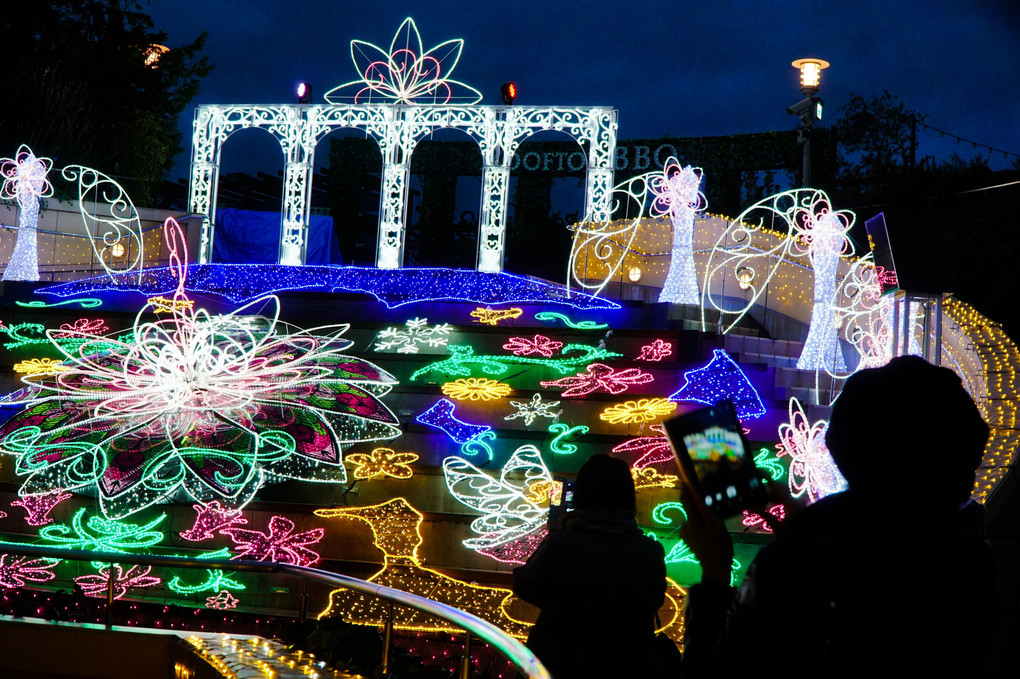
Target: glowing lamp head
[[810, 73], [118, 250], [304, 93], [508, 92], [745, 275], [153, 54], [634, 274]]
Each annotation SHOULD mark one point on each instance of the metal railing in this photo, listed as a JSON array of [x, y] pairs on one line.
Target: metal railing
[[512, 649]]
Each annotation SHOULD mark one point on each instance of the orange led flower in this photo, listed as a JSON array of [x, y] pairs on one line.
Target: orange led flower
[[382, 462], [476, 389], [642, 410]]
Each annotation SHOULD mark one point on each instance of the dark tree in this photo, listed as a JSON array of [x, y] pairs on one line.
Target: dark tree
[[83, 88], [877, 143]]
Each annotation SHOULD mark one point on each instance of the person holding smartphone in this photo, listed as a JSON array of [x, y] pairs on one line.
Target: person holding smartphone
[[598, 581], [890, 575]]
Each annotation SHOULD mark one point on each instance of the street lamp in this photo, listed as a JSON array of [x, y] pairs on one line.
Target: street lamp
[[809, 109]]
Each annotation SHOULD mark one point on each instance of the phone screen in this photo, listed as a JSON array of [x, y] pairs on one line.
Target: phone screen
[[711, 454]]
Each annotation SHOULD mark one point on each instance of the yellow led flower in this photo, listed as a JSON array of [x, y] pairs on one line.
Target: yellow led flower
[[382, 462], [40, 366], [540, 491], [646, 477], [494, 316], [476, 389], [642, 410]]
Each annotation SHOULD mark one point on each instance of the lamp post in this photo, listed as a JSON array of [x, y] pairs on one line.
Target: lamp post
[[809, 109]]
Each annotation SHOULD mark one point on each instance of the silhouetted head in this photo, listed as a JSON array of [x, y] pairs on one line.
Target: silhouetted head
[[604, 483], [907, 431]]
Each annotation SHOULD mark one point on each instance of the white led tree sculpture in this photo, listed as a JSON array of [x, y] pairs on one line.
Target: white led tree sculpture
[[25, 180], [797, 224], [677, 193]]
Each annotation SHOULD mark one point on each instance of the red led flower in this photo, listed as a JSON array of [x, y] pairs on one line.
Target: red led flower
[[600, 376], [540, 344], [656, 351], [136, 576], [15, 571]]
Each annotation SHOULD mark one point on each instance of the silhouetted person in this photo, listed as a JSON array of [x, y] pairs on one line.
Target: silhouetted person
[[598, 580], [891, 576]]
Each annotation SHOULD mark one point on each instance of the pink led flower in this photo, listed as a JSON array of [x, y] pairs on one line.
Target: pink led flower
[[40, 506], [540, 344], [676, 189], [88, 326], [24, 177], [15, 571], [407, 74], [656, 351], [211, 518], [136, 576], [600, 376], [756, 520], [222, 601], [280, 544]]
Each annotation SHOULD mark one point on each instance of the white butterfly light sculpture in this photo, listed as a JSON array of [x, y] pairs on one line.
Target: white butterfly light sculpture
[[512, 520]]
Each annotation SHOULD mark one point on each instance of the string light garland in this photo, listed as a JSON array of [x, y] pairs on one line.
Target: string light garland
[[487, 316], [396, 532], [214, 405], [241, 283], [476, 389], [642, 410], [599, 376], [413, 337], [463, 357], [721, 379], [677, 193], [535, 408], [382, 462], [40, 506], [279, 545], [440, 416], [656, 351]]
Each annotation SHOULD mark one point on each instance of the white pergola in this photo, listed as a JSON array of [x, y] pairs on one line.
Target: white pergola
[[397, 128]]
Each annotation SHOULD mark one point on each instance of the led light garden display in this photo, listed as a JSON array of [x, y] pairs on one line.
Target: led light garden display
[[24, 178], [215, 405], [677, 193]]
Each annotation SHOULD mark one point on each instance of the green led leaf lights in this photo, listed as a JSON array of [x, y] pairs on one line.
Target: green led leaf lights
[[563, 432], [463, 359], [478, 445], [214, 582], [552, 316], [765, 461], [102, 535], [84, 303]]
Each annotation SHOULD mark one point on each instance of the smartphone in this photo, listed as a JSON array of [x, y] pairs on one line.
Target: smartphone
[[712, 455], [561, 500]]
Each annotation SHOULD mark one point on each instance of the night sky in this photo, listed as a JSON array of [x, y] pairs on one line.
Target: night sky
[[670, 68]]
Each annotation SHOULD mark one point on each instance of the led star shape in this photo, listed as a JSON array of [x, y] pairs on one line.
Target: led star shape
[[407, 73], [530, 410]]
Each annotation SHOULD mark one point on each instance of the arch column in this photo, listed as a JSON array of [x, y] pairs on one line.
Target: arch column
[[299, 147], [602, 127]]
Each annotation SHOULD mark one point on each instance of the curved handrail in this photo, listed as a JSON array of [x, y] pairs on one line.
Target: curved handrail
[[514, 650]]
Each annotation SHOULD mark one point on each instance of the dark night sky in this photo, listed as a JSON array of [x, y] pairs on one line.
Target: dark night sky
[[670, 68]]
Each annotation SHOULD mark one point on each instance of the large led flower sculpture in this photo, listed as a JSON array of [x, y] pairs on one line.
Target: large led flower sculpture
[[24, 178], [407, 74], [677, 193], [214, 405]]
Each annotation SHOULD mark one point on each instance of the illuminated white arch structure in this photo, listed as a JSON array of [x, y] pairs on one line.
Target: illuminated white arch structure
[[397, 128]]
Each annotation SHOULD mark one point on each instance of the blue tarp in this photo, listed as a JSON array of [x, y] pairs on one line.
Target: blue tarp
[[250, 237]]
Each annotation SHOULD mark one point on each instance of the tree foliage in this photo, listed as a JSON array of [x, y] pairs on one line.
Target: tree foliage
[[79, 89]]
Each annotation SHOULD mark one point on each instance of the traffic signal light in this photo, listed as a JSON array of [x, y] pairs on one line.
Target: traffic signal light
[[508, 92]]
